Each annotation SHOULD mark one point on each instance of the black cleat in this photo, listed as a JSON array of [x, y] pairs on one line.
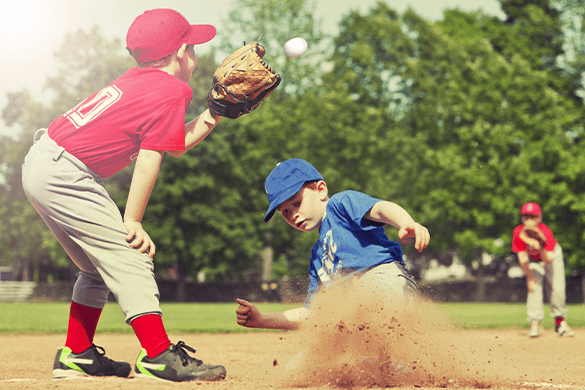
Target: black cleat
[[91, 362], [176, 365]]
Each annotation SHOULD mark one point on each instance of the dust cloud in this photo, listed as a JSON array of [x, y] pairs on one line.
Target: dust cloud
[[358, 337]]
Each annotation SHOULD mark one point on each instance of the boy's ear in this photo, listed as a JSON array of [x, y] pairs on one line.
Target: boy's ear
[[323, 190], [181, 52]]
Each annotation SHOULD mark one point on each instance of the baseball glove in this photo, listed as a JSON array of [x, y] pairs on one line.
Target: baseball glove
[[532, 232], [241, 82]]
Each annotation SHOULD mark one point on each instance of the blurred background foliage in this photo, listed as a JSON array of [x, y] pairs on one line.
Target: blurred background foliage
[[460, 121]]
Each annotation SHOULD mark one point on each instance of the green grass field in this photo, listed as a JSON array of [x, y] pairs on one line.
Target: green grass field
[[47, 318]]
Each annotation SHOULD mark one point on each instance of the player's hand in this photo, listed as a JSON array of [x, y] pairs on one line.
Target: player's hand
[[532, 285], [418, 232], [546, 257], [247, 314], [534, 245], [138, 238]]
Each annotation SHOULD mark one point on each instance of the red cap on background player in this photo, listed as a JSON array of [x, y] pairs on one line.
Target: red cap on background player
[[531, 208], [159, 32]]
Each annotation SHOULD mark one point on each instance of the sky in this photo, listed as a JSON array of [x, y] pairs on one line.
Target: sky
[[32, 30]]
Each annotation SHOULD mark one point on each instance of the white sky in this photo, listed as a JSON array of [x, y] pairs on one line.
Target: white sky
[[32, 30]]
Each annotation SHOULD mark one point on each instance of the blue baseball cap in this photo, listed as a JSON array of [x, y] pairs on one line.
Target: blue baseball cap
[[286, 180]]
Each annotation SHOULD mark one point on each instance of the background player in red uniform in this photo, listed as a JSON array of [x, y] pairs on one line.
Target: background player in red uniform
[[139, 116], [541, 266]]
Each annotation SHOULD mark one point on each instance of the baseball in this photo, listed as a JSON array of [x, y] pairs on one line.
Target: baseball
[[295, 47]]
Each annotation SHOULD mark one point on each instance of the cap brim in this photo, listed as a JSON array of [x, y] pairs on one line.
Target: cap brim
[[286, 195], [201, 33]]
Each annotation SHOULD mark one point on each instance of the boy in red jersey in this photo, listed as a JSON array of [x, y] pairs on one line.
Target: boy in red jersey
[[541, 265], [139, 116]]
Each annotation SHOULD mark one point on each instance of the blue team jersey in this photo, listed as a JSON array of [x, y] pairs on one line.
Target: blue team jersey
[[348, 243]]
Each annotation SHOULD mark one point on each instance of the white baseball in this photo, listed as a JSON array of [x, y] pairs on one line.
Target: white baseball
[[295, 47]]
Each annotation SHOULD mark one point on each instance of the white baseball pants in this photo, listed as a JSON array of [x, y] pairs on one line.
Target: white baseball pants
[[552, 278], [76, 207]]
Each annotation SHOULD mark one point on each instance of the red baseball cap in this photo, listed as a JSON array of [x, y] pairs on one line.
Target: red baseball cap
[[159, 32], [531, 208]]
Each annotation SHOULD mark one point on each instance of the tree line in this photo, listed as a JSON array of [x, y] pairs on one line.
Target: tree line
[[461, 121]]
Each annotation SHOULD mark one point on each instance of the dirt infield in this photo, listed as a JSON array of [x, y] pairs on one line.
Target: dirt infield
[[257, 361], [358, 337], [361, 339]]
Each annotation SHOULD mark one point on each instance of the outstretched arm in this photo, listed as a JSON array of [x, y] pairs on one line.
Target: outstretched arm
[[393, 214], [196, 131], [249, 316]]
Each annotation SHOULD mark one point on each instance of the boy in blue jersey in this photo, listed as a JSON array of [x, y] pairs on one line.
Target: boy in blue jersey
[[352, 244]]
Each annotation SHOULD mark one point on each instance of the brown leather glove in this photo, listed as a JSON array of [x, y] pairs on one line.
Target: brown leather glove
[[242, 82]]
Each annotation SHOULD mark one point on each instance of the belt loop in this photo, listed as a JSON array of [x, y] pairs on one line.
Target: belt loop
[[59, 153], [38, 134]]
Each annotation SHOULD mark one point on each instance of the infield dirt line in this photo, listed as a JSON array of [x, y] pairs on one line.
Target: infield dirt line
[[551, 385]]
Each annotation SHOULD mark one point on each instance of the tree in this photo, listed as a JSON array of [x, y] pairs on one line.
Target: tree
[[533, 30], [277, 22], [370, 52], [573, 21], [219, 228], [451, 120], [559, 186], [479, 131], [88, 62]]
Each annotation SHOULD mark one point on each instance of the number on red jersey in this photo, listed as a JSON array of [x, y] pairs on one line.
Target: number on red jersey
[[88, 110]]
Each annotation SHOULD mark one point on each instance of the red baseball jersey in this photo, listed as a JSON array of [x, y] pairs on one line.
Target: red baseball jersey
[[519, 246], [143, 109]]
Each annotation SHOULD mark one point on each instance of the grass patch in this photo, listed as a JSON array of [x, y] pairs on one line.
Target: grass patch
[[52, 318], [505, 315]]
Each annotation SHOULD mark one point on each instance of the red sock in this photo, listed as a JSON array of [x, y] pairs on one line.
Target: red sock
[[83, 321], [558, 321], [152, 334]]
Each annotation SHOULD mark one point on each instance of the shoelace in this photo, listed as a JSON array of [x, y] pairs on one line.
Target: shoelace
[[183, 355], [101, 354]]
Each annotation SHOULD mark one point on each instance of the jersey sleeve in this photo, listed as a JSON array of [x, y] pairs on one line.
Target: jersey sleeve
[[353, 206], [517, 244], [551, 241], [166, 129]]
